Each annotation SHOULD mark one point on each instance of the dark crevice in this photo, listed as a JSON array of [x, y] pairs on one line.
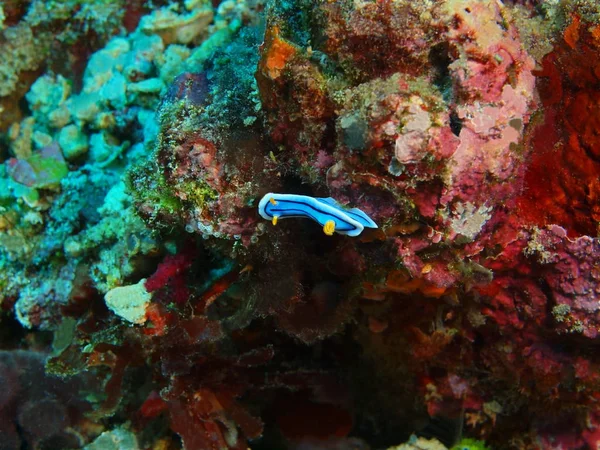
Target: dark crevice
[[455, 123], [440, 60]]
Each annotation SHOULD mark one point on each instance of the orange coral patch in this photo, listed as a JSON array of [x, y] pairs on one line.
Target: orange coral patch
[[377, 326], [431, 290], [159, 320], [372, 292], [426, 347], [595, 32], [571, 33], [277, 53], [398, 281]]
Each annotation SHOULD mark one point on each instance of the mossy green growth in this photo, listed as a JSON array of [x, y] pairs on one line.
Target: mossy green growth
[[150, 189], [198, 192], [470, 444], [156, 197]]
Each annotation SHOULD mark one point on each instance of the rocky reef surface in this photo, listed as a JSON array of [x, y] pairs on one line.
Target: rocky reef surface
[[146, 304]]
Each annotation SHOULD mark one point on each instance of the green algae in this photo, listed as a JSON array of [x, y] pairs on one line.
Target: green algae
[[153, 194], [470, 444]]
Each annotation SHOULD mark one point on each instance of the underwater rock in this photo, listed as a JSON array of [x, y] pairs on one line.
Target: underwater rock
[[73, 142], [118, 439], [129, 302], [420, 444], [41, 411], [42, 169], [177, 28]]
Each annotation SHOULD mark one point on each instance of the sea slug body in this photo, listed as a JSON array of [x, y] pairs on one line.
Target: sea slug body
[[332, 216]]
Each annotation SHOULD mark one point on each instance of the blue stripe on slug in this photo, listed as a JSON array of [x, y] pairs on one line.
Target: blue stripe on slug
[[355, 213], [349, 222]]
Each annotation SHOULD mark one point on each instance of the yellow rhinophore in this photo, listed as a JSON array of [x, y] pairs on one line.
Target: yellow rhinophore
[[273, 202], [329, 228], [274, 220]]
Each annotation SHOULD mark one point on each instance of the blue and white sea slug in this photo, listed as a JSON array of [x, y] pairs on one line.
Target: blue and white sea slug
[[332, 216]]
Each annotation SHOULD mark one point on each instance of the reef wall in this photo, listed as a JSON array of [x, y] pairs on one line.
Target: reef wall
[[137, 140]]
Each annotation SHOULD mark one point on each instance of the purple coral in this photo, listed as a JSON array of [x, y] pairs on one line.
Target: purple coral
[[571, 271]]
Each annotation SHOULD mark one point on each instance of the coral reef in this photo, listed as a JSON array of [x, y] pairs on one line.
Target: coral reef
[[137, 141]]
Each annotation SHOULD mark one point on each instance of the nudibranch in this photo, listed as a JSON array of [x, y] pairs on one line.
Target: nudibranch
[[332, 216]]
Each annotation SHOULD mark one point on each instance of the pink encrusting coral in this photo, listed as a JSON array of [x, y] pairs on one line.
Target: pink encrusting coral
[[492, 97], [452, 158]]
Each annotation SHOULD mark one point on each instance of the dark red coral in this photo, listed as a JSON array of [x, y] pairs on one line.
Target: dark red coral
[[14, 10], [171, 275], [300, 418], [561, 184], [134, 10]]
